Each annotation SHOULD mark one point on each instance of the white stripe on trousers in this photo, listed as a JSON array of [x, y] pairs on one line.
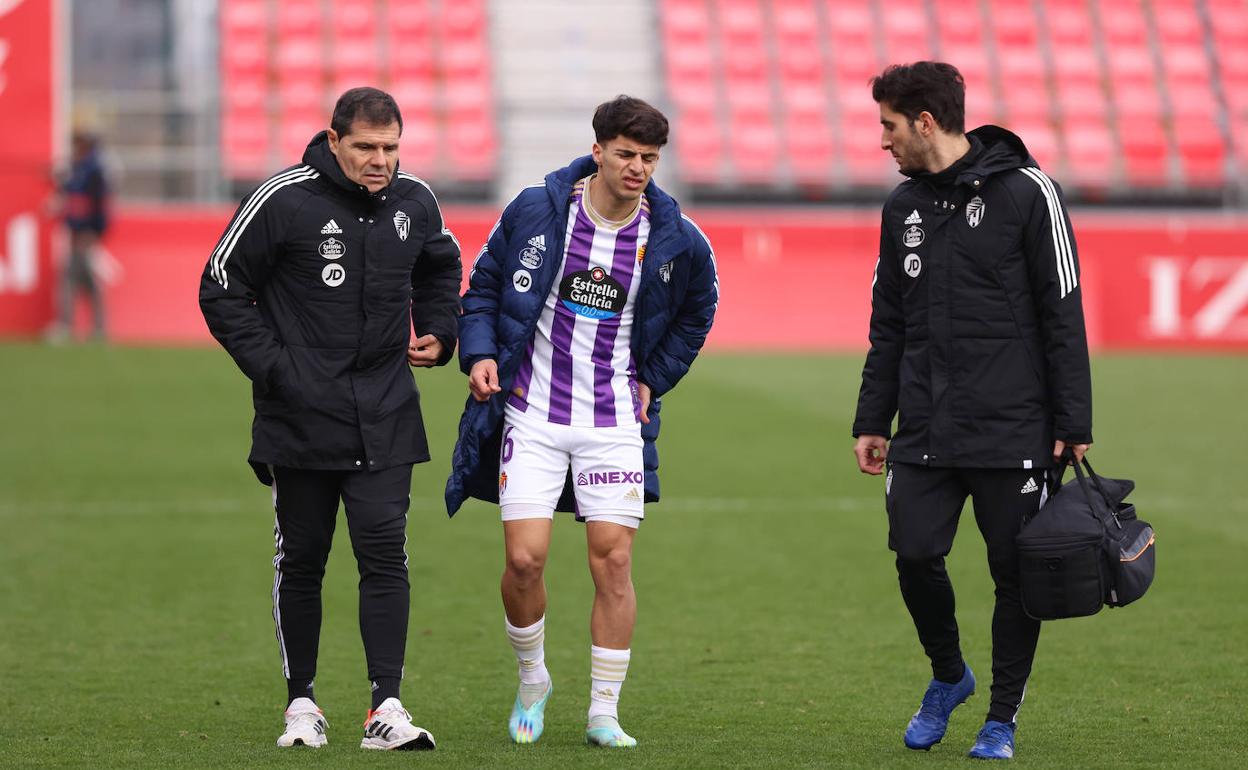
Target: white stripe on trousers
[[1061, 237], [235, 230], [277, 579]]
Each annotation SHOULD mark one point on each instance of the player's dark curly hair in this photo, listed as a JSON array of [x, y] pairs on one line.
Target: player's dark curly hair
[[930, 86], [368, 105], [632, 118]]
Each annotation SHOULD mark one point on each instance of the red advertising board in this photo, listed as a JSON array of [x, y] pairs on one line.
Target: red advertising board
[[30, 89], [789, 280]]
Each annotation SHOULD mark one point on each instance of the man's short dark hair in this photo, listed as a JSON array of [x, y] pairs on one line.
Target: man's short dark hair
[[369, 105], [930, 86], [632, 118]]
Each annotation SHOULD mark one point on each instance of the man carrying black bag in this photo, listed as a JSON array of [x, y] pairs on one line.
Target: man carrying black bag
[[978, 345]]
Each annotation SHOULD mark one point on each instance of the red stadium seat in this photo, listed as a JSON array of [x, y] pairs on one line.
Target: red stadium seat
[[754, 147], [1091, 155], [810, 149], [1123, 23], [1145, 152], [407, 17], [906, 31], [699, 141], [299, 18], [1041, 141]]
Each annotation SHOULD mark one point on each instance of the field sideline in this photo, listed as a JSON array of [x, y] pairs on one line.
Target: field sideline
[[135, 578]]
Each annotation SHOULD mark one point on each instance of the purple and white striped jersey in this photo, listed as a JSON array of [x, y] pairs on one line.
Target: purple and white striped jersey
[[578, 368]]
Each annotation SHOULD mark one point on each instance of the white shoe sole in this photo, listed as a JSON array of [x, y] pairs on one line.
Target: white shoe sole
[[313, 743], [421, 742]]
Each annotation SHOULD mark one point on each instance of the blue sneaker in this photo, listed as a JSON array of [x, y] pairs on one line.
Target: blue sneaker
[[928, 724], [605, 731], [526, 722], [995, 741]]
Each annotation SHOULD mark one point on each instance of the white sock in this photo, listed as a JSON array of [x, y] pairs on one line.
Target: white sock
[[607, 669], [529, 644]]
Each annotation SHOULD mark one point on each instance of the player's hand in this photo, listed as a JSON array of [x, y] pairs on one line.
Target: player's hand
[[1079, 450], [871, 452], [424, 351], [643, 395], [483, 379]]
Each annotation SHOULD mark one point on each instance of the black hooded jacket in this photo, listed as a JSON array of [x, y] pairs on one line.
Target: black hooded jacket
[[310, 290], [977, 332]]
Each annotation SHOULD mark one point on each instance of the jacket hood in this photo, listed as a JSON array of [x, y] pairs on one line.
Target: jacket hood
[[318, 156], [993, 150], [1003, 151]]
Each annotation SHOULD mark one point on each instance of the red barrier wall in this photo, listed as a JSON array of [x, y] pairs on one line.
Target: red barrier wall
[[29, 93], [790, 280]]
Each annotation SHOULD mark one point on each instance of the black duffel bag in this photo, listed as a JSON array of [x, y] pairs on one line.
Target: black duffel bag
[[1084, 548]]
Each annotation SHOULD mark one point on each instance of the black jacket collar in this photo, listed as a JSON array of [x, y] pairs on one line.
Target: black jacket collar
[[318, 156], [993, 150]]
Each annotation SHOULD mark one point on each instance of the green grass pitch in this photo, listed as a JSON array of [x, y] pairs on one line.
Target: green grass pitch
[[135, 578]]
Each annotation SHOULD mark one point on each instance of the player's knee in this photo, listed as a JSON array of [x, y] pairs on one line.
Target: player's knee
[[613, 567], [525, 566]]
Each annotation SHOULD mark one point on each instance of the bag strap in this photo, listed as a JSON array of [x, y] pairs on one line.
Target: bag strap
[[1060, 472], [1083, 484], [1096, 481]]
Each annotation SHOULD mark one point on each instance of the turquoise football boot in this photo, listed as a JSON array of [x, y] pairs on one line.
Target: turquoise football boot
[[605, 731], [526, 723]]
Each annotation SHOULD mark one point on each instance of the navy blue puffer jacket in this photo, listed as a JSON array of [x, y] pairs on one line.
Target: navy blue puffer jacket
[[676, 303]]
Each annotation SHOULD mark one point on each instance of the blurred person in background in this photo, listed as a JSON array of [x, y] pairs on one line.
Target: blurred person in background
[[589, 302], [82, 202], [314, 289], [978, 345]]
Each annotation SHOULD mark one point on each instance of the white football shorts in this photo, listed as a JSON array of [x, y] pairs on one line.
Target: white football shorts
[[607, 473]]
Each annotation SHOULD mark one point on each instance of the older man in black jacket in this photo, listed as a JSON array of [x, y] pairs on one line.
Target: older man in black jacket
[[978, 345], [314, 289]]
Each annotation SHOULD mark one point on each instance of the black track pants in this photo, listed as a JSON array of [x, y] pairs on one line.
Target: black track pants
[[306, 504], [924, 505]]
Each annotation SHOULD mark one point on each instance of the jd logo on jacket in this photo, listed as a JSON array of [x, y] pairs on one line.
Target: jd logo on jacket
[[333, 275], [913, 265]]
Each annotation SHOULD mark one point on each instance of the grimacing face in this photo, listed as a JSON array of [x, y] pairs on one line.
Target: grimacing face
[[900, 137], [625, 167], [369, 154]]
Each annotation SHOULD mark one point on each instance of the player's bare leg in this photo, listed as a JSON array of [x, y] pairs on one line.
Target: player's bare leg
[[611, 628], [526, 543]]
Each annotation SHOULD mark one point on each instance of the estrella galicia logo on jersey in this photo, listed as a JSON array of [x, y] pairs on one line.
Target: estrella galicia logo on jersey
[[332, 248], [913, 237], [593, 294], [401, 224], [530, 258], [594, 478], [975, 211], [913, 265], [333, 275]]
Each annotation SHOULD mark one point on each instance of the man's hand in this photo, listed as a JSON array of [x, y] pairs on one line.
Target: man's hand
[[424, 351], [1079, 450], [871, 452], [643, 395], [483, 379]]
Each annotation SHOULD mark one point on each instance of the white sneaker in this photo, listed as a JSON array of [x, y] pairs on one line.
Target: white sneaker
[[305, 725], [389, 726]]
